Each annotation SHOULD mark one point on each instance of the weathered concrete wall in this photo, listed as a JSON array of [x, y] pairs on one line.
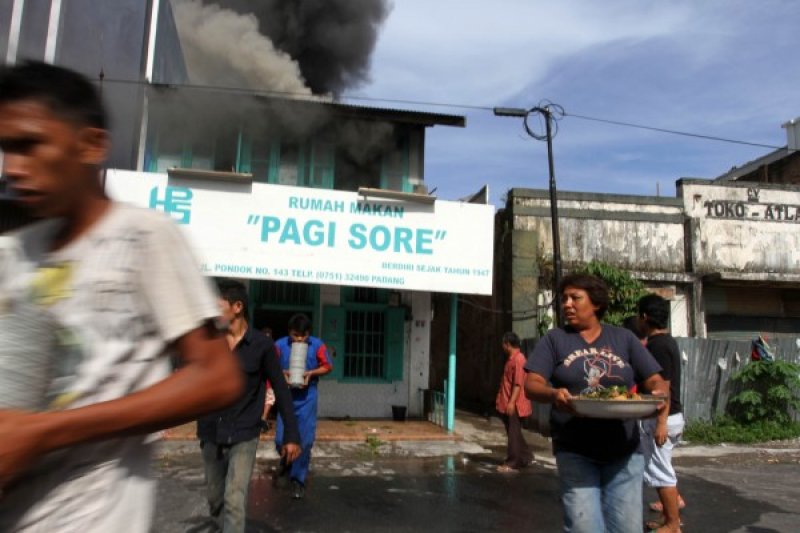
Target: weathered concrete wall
[[524, 283], [747, 228], [640, 233]]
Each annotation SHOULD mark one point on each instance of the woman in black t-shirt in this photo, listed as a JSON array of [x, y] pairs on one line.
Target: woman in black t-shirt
[[599, 468]]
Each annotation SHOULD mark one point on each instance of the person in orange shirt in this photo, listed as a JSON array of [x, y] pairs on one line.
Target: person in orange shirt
[[513, 405]]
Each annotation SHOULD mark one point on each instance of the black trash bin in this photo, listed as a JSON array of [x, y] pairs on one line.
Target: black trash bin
[[399, 413]]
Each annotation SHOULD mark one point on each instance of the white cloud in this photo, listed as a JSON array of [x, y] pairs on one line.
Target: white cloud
[[728, 68], [485, 52]]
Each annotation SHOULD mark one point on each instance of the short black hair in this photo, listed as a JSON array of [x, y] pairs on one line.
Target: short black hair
[[657, 310], [232, 291], [512, 339], [68, 94], [595, 288], [300, 323], [634, 324]]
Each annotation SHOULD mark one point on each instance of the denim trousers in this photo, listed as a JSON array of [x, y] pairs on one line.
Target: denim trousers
[[228, 470], [601, 497]]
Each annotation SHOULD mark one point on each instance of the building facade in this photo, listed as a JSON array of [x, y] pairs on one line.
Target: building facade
[[223, 161], [781, 166], [723, 252]]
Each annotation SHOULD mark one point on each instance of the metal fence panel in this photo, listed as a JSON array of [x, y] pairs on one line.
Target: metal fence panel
[[706, 368]]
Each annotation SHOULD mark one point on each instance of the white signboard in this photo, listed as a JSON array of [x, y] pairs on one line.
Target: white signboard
[[299, 234]]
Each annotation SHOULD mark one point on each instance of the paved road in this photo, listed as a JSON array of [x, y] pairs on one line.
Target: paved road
[[750, 491]]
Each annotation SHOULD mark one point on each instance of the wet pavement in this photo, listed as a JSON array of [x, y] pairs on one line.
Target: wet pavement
[[405, 486]]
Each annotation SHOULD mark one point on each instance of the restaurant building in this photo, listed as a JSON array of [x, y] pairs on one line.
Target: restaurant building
[[320, 206]]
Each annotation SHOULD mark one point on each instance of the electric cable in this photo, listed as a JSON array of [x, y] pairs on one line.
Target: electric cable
[[556, 110]]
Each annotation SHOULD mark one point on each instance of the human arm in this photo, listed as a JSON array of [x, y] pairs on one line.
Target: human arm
[[208, 380], [283, 399], [540, 391], [324, 365], [269, 401], [661, 353], [657, 386], [512, 401]]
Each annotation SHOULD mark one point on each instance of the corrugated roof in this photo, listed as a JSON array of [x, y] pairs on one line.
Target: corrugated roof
[[422, 117], [737, 172], [344, 109]]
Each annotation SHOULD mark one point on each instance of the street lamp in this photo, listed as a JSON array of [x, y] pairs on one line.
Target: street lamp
[[550, 112]]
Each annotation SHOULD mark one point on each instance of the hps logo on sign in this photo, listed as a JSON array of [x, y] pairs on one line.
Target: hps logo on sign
[[177, 202]]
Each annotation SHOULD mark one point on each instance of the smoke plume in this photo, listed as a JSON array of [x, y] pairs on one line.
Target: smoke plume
[[319, 47], [331, 40], [226, 49]]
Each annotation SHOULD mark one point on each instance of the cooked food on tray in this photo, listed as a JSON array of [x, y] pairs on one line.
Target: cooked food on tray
[[615, 392]]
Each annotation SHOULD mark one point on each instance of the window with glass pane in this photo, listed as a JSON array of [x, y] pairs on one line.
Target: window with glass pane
[[261, 149], [321, 166], [225, 149], [202, 154], [288, 169], [169, 152], [395, 166], [365, 344]]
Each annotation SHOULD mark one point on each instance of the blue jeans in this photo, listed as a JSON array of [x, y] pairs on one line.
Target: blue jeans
[[601, 497], [228, 471]]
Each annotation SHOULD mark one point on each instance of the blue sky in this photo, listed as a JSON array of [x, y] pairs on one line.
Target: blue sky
[[723, 68]]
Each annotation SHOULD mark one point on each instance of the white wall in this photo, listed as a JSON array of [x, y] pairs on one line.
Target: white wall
[[375, 400]]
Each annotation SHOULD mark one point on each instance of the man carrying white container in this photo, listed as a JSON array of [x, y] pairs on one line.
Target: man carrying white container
[[311, 360]]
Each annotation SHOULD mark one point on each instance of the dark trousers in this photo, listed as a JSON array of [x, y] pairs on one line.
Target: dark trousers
[[519, 454]]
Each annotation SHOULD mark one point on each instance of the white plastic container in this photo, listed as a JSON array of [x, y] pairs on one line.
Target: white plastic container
[[297, 364]]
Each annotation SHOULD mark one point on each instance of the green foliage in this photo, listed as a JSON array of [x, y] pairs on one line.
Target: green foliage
[[624, 290], [760, 411], [725, 429], [768, 392], [544, 324], [373, 444]]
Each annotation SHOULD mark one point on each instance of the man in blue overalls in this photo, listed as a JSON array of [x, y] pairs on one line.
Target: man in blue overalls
[[318, 363]]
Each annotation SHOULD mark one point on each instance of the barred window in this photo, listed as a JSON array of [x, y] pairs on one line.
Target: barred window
[[282, 293], [365, 344]]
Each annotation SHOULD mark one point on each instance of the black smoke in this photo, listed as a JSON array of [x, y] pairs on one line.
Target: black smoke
[[332, 40]]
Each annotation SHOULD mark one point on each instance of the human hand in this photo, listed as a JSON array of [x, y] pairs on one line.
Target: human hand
[[662, 411], [660, 435], [290, 451], [306, 378], [562, 400], [511, 409]]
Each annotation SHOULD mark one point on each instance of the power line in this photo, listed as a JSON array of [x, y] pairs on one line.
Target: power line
[[449, 105], [674, 132]]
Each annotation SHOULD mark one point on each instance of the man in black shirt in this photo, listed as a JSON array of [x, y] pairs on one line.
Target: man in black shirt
[[229, 438], [662, 434]]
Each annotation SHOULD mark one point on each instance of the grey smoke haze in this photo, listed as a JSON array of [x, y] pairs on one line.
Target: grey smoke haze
[[226, 49], [331, 40], [281, 46]]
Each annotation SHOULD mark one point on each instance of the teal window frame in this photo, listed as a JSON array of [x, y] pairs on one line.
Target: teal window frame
[[310, 172], [335, 334], [242, 161], [311, 307], [402, 149]]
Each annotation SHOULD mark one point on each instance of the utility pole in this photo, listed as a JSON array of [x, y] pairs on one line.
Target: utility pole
[[546, 110]]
